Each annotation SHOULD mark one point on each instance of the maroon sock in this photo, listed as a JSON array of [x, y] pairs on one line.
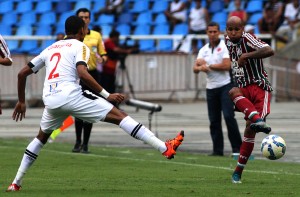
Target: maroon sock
[[245, 152], [245, 106]]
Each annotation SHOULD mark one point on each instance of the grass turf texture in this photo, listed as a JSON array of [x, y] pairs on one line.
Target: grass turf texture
[[140, 172]]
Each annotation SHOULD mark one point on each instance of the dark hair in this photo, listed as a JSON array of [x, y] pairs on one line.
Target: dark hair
[[83, 10], [73, 25], [210, 24], [114, 33]]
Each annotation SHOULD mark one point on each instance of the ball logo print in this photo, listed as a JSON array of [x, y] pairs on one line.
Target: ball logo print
[[273, 147]]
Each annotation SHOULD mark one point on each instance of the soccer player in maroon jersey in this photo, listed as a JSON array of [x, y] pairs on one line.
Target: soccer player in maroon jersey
[[5, 58], [253, 92]]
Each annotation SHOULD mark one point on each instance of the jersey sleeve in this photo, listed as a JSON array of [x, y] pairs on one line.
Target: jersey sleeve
[[253, 42], [4, 50], [37, 62], [83, 54], [200, 54], [101, 47]]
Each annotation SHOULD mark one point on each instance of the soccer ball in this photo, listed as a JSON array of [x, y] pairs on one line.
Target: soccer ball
[[273, 147]]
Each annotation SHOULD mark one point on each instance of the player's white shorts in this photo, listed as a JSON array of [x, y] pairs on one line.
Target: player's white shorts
[[87, 107]]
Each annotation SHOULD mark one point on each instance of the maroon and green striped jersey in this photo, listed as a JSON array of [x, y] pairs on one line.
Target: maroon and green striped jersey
[[253, 71]]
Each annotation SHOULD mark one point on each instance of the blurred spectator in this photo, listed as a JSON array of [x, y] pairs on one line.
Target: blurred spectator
[[60, 36], [176, 13], [114, 51], [114, 7], [239, 11], [267, 24], [288, 30], [198, 19], [277, 9]]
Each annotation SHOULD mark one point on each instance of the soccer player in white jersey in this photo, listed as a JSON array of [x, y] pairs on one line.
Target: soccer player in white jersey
[[66, 63]]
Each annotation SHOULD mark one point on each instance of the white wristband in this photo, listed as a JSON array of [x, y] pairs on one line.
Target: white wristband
[[104, 93], [208, 65]]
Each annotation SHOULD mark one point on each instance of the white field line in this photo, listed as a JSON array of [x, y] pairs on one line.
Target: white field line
[[167, 162]]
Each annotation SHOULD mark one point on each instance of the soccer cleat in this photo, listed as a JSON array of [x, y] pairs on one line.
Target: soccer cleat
[[172, 145], [236, 177], [77, 148], [13, 188], [260, 126]]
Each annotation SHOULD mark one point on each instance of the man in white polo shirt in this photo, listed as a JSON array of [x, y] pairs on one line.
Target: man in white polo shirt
[[213, 59]]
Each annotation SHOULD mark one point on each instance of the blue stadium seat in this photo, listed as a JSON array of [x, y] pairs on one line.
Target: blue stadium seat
[[6, 31], [105, 19], [83, 4], [13, 45], [160, 19], [143, 18], [216, 6], [142, 30], [219, 17], [6, 6], [125, 18], [63, 6], [24, 6], [48, 18], [254, 18], [106, 29], [28, 46], [60, 28], [147, 45], [124, 29], [161, 29], [28, 18], [9, 18], [43, 6], [98, 4], [254, 6], [64, 16], [140, 6], [24, 30], [43, 30], [165, 45], [159, 6], [181, 29]]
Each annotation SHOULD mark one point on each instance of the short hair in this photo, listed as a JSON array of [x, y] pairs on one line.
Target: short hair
[[114, 33], [73, 25], [211, 24], [83, 10]]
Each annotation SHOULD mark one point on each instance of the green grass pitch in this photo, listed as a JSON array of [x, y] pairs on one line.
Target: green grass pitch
[[109, 171]]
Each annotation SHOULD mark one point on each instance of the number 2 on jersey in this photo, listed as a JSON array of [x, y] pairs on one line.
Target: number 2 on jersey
[[52, 74]]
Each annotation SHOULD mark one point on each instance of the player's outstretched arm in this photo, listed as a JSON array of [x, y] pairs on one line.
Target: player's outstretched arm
[[20, 108], [94, 85]]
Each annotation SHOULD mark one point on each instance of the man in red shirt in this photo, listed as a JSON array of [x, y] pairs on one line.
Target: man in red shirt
[[108, 77]]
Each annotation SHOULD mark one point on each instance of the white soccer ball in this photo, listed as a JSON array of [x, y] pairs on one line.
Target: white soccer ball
[[273, 147]]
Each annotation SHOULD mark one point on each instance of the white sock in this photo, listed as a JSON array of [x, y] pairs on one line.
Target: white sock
[[30, 155], [139, 131]]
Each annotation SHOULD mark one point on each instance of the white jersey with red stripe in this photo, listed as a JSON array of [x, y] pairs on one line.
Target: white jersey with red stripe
[[61, 83]]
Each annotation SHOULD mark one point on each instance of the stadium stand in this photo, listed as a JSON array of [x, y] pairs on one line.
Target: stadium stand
[[139, 17]]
